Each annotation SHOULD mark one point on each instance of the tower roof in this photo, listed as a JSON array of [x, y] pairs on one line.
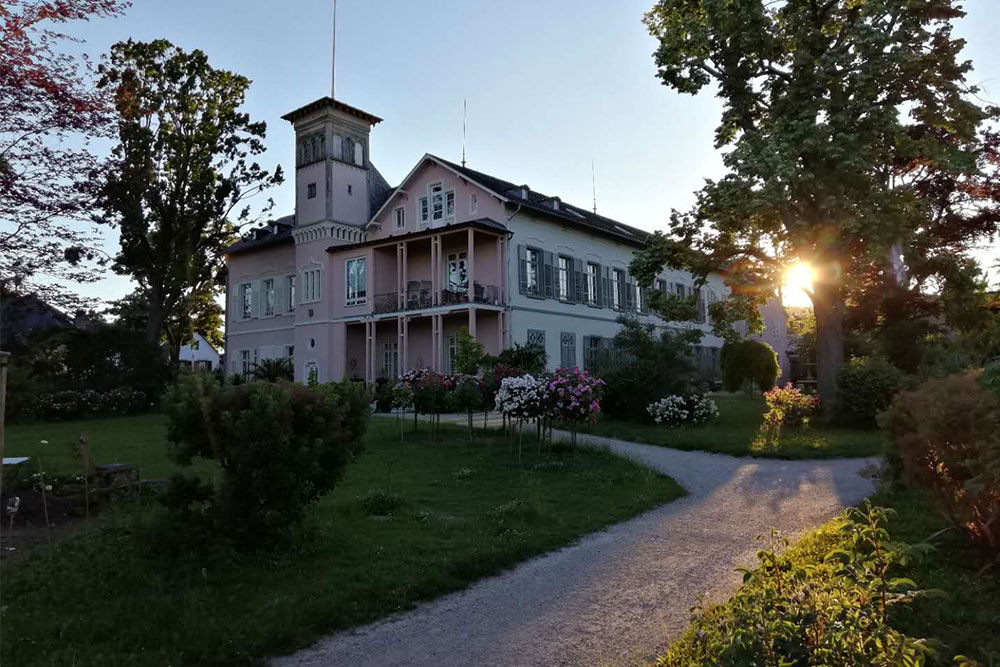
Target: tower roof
[[330, 103]]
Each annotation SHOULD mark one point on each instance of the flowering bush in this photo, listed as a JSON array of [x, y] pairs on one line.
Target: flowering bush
[[676, 410], [521, 397], [573, 395], [790, 406], [72, 404]]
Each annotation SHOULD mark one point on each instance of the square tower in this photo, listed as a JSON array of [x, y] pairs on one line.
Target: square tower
[[332, 166]]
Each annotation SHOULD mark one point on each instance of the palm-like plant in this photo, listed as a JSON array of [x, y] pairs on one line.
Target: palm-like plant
[[273, 370]]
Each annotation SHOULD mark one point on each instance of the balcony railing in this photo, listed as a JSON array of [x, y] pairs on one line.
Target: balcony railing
[[420, 297]]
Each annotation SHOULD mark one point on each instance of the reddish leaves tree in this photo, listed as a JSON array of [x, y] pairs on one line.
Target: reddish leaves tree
[[49, 112]]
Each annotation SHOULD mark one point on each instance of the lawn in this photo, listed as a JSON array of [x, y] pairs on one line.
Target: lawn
[[465, 513], [965, 622], [740, 418], [140, 439]]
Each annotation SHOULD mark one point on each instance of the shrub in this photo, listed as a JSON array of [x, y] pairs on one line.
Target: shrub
[[521, 398], [746, 363], [469, 354], [272, 370], [78, 404], [676, 410], [573, 396], [383, 394], [430, 391], [945, 435], [643, 368], [280, 447], [790, 405], [528, 358], [865, 387], [794, 612]]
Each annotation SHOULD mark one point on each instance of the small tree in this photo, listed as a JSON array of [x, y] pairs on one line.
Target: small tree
[[469, 354], [747, 363], [273, 370], [467, 395]]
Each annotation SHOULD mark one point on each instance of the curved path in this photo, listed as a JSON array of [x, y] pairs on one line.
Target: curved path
[[618, 596]]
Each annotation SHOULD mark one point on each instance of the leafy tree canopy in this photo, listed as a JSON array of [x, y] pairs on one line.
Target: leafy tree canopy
[[851, 136], [180, 177]]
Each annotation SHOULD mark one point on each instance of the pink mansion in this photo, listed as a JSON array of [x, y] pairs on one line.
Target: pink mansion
[[367, 281]]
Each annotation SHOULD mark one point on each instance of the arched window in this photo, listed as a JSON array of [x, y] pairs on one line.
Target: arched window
[[306, 153], [315, 148], [338, 148], [322, 146], [359, 157], [348, 148]]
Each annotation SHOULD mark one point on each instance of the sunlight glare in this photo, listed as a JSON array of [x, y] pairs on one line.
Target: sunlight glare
[[798, 281]]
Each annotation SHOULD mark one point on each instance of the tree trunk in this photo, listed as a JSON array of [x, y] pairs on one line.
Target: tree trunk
[[829, 309], [155, 316]]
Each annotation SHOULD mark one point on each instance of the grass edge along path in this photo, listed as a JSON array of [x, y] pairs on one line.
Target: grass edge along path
[[409, 523], [735, 430]]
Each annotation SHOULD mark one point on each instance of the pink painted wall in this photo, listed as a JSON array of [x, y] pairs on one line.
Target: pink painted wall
[[354, 351], [420, 350], [419, 185]]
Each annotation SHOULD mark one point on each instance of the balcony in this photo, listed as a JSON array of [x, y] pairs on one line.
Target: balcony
[[420, 296]]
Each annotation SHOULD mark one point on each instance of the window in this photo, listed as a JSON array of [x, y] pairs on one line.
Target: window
[[290, 293], [617, 288], [311, 285], [248, 358], [532, 266], [661, 286], [473, 203], [437, 201], [359, 154], [246, 300], [338, 147], [424, 209], [195, 344], [442, 204], [311, 372], [680, 291], [564, 269], [350, 189], [348, 150], [458, 271], [593, 271], [289, 351], [450, 203], [592, 347], [389, 354], [311, 191], [267, 291], [567, 350], [536, 337], [399, 215], [357, 281]]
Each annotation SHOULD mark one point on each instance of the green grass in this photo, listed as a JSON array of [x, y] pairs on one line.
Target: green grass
[[461, 514], [140, 439], [733, 433], [964, 622]]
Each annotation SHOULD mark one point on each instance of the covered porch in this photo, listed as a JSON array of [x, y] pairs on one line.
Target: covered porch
[[388, 347]]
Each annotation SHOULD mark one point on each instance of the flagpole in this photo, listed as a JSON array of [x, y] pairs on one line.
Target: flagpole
[[333, 54]]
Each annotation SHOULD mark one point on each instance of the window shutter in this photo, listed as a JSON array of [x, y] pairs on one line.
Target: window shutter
[[548, 271], [609, 301], [522, 270], [644, 293], [255, 299], [629, 294], [579, 283]]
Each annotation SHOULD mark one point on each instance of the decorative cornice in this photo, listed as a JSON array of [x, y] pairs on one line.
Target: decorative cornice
[[348, 234]]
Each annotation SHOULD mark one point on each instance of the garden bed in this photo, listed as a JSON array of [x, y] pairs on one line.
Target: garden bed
[[408, 523], [737, 428]]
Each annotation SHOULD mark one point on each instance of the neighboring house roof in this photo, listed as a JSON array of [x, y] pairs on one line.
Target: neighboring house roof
[[20, 315]]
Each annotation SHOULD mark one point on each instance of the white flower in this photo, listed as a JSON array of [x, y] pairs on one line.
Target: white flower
[[48, 487], [44, 442]]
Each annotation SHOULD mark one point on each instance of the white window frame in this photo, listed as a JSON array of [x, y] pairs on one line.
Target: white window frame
[[360, 295], [532, 271], [389, 355], [618, 288], [562, 276], [399, 217], [457, 261], [424, 209], [593, 278], [290, 292], [638, 298], [451, 352], [307, 367], [268, 297], [247, 360], [244, 294], [312, 281]]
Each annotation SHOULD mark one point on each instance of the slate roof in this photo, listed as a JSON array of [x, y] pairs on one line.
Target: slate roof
[[538, 202], [277, 232], [328, 101]]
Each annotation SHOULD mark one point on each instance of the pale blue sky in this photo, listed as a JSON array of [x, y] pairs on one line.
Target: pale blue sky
[[551, 85]]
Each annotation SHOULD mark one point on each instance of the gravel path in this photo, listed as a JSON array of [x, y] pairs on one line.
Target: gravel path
[[618, 596]]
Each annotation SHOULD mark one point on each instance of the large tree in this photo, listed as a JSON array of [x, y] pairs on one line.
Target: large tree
[[851, 137], [179, 180], [200, 312], [49, 111]]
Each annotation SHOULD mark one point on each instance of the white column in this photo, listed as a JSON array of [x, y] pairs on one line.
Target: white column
[[472, 321], [471, 260]]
